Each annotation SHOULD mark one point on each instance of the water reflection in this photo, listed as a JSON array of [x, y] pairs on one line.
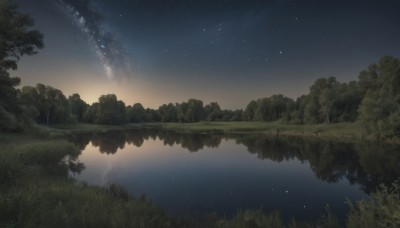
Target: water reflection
[[223, 177], [366, 163]]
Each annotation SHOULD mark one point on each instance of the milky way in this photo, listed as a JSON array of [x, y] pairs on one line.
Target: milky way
[[111, 53], [229, 52]]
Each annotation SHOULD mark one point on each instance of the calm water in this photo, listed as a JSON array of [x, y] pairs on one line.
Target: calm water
[[193, 174]]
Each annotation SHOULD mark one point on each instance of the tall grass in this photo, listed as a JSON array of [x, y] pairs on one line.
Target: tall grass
[[66, 204], [36, 191], [253, 218], [382, 210], [10, 166]]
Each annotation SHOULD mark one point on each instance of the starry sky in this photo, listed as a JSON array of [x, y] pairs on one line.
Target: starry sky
[[228, 51]]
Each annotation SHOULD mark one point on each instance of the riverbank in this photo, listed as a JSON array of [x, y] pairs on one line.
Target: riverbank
[[339, 131], [342, 130]]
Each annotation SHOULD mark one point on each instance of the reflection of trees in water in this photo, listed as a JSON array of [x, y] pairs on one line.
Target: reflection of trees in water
[[192, 142], [134, 137], [378, 164], [364, 163], [80, 140], [109, 143]]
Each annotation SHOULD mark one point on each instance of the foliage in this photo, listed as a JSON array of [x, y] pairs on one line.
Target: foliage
[[16, 40], [77, 106], [50, 104], [254, 218], [379, 110], [276, 107], [382, 210], [110, 110], [135, 113]]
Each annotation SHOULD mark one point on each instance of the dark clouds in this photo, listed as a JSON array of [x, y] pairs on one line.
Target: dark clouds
[[88, 18]]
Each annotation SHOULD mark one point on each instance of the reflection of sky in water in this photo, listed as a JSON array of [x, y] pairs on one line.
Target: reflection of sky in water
[[223, 179]]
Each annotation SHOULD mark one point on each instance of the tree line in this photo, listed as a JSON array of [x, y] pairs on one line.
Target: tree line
[[373, 99]]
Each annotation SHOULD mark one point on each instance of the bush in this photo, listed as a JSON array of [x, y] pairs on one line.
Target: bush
[[382, 210]]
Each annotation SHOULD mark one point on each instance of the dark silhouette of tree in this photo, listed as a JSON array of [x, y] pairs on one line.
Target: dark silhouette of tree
[[213, 111], [250, 111], [16, 40], [168, 113], [136, 113], [50, 104], [110, 110], [379, 111], [77, 106]]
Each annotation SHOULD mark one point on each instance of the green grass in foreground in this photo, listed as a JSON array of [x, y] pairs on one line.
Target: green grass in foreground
[[35, 191]]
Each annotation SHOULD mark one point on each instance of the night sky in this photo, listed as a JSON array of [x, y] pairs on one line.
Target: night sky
[[156, 52]]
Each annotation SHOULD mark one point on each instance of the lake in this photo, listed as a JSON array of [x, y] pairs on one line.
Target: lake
[[190, 175]]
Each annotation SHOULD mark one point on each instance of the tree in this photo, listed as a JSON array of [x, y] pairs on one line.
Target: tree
[[182, 109], [263, 110], [379, 110], [168, 113], [90, 113], [375, 116], [50, 104], [195, 111], [389, 77], [213, 111], [16, 40], [281, 106], [110, 110], [9, 108], [327, 102], [311, 112], [136, 113], [77, 106], [249, 112]]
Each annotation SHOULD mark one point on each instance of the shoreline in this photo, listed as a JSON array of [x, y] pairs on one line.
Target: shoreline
[[339, 131]]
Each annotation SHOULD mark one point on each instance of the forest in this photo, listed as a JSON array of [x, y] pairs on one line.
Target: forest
[[373, 100]]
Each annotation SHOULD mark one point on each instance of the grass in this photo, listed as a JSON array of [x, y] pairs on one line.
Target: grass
[[383, 210], [352, 131], [36, 191], [85, 127], [64, 203], [333, 130]]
